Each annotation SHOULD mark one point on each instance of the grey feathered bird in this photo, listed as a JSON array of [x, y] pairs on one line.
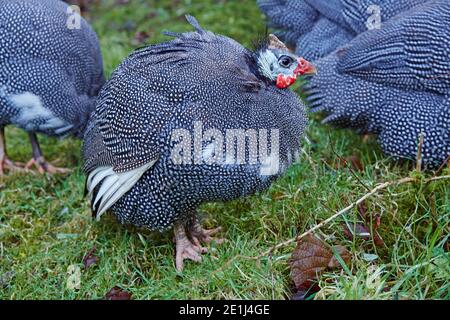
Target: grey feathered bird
[[50, 73], [394, 82], [161, 98], [411, 52], [318, 27]]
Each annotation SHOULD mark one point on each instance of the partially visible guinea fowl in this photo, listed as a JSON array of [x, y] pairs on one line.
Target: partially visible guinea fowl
[[50, 73], [318, 27], [394, 82], [164, 96], [293, 18], [411, 52]]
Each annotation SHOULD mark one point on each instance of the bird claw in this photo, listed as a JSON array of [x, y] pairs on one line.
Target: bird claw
[[11, 166], [191, 247], [45, 167], [201, 235], [185, 249]]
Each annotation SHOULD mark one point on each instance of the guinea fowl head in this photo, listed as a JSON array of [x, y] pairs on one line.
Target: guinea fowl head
[[278, 64]]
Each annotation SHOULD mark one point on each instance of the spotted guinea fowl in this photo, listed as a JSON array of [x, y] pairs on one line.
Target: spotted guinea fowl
[[411, 52], [155, 148], [318, 27], [394, 82], [50, 73]]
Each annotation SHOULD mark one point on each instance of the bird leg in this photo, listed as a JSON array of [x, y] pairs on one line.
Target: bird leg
[[5, 163], [185, 249], [200, 235], [39, 160]]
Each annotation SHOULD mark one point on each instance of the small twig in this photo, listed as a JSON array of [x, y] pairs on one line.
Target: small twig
[[419, 153], [446, 162], [375, 190], [348, 208], [437, 178]]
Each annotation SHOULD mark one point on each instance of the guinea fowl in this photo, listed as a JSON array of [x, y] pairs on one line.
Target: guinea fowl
[[50, 73], [319, 27], [394, 82], [168, 95]]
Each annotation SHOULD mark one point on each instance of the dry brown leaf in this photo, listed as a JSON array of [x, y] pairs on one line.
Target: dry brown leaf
[[312, 257], [362, 209], [90, 259], [364, 213], [343, 253], [362, 231], [118, 293], [353, 161]]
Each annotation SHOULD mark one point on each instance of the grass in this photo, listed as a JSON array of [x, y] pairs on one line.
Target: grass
[[46, 226]]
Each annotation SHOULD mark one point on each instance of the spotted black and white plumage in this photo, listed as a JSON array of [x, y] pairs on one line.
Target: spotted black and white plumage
[[411, 52], [199, 77], [319, 27], [50, 74], [394, 83]]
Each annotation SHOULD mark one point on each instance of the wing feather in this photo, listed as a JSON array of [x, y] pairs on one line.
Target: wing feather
[[111, 186]]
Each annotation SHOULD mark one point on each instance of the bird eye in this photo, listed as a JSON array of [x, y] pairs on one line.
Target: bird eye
[[285, 61]]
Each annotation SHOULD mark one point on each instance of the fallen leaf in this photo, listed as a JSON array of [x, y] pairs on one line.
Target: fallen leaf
[[343, 253], [303, 293], [355, 163], [362, 209], [118, 293], [310, 259], [90, 259], [362, 231], [352, 161], [364, 213], [377, 239], [357, 229]]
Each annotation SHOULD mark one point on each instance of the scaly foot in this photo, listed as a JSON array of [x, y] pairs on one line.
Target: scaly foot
[[6, 164], [43, 166], [185, 249], [200, 235]]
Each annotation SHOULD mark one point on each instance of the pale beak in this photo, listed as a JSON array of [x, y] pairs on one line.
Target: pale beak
[[305, 68]]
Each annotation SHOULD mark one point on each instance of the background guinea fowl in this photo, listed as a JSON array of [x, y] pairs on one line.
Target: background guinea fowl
[[318, 27], [50, 73], [198, 78], [393, 82]]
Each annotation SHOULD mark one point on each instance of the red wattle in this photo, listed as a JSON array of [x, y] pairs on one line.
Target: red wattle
[[284, 82]]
